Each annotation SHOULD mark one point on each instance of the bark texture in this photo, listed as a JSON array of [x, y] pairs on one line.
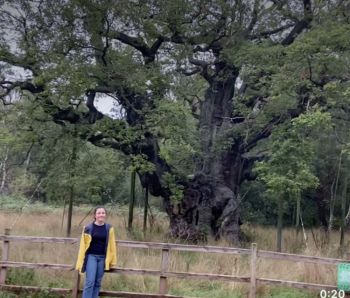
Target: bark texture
[[210, 204]]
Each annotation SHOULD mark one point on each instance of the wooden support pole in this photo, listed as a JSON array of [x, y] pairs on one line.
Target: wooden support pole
[[5, 257], [76, 286], [163, 285], [254, 256], [132, 200], [145, 211]]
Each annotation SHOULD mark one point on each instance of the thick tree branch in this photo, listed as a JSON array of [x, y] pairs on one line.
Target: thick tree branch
[[94, 113], [101, 140], [105, 49], [267, 130], [198, 62], [254, 17], [188, 72], [271, 32], [285, 13], [201, 68], [25, 85], [149, 53], [156, 45], [264, 133], [301, 24], [298, 28]]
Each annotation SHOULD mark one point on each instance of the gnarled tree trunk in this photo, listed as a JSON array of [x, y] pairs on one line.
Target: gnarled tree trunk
[[210, 205]]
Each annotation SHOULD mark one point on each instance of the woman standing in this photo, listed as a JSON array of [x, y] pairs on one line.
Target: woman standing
[[97, 252]]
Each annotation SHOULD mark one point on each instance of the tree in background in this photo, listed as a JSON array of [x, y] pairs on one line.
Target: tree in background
[[288, 171], [40, 161], [249, 67]]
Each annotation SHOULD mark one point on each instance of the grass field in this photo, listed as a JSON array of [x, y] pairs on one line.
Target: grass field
[[40, 221]]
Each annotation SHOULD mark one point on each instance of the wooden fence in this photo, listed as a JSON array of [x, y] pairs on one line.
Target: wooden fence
[[163, 272]]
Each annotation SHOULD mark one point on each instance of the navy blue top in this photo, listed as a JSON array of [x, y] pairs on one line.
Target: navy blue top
[[98, 241]]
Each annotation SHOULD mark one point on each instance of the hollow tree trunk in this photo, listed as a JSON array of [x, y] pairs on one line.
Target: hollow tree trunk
[[209, 205], [208, 208]]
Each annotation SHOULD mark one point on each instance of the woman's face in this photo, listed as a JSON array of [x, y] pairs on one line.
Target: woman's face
[[100, 215]]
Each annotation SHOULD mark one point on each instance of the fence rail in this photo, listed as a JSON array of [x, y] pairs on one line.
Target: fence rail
[[163, 272]]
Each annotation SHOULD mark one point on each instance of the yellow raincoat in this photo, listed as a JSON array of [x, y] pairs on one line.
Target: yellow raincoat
[[85, 240]]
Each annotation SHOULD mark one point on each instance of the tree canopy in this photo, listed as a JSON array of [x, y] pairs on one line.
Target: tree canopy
[[200, 89]]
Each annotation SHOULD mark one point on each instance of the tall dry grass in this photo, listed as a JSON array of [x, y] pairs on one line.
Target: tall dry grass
[[48, 223]]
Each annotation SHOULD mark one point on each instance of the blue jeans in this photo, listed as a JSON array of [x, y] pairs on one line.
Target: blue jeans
[[94, 272]]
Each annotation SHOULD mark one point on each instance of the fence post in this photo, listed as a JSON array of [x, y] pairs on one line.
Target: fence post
[[5, 256], [163, 286], [254, 256], [76, 285]]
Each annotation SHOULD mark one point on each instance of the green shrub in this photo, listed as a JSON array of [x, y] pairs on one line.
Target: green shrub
[[21, 276]]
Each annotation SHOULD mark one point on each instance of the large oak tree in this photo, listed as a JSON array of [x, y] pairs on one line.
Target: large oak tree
[[253, 69]]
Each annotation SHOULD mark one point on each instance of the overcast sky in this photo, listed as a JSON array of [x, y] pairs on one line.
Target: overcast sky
[[105, 105]]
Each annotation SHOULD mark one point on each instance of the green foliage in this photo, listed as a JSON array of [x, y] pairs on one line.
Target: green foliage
[[21, 277], [7, 295], [172, 122], [71, 47], [98, 174], [176, 189], [12, 202], [41, 157], [256, 207], [281, 75], [288, 170], [141, 164]]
